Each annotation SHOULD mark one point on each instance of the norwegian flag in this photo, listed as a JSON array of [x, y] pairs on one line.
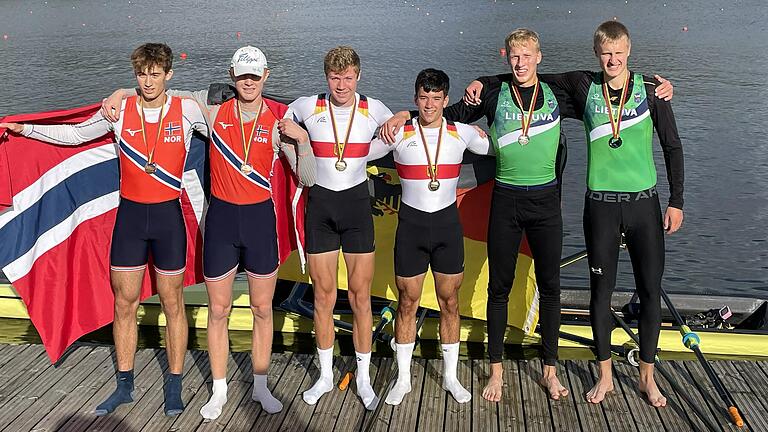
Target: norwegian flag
[[57, 210]]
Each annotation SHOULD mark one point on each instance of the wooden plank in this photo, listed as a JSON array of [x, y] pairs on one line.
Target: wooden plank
[[292, 380], [24, 368], [591, 416], [38, 400], [434, 400], [485, 414], [387, 373], [564, 416], [83, 418], [9, 352], [145, 382], [353, 413], [645, 416], [685, 381], [190, 419], [197, 370], [615, 406], [755, 414], [535, 400], [300, 412], [95, 378], [708, 394], [675, 416], [458, 416], [755, 377], [237, 393], [405, 416], [329, 407], [248, 411], [510, 408]]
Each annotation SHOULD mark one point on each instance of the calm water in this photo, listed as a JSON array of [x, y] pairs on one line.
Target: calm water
[[62, 54]]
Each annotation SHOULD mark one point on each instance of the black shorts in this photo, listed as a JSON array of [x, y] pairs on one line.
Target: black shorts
[[339, 219], [240, 235], [141, 228], [428, 239]]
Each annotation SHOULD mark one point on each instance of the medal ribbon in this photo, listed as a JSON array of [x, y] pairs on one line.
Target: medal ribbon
[[339, 146], [527, 115], [163, 112], [432, 168], [615, 122], [247, 144]]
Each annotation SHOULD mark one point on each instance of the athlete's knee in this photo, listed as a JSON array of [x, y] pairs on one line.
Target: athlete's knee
[[324, 298], [219, 311], [262, 310], [172, 305], [498, 294], [125, 303], [407, 305], [359, 302]]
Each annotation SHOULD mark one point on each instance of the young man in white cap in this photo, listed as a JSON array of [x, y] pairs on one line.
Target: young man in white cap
[[240, 226], [153, 138]]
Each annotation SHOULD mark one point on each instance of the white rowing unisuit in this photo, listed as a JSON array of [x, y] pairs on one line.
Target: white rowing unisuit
[[412, 165], [313, 112]]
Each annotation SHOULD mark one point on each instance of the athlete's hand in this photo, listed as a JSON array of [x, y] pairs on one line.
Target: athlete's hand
[[391, 127], [665, 90], [472, 93], [13, 127], [110, 107], [480, 131], [673, 219], [289, 128]]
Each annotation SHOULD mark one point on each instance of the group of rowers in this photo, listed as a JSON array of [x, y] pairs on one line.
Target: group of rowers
[[327, 140]]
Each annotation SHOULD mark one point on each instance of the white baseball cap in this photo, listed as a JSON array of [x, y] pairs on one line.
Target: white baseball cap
[[249, 60]]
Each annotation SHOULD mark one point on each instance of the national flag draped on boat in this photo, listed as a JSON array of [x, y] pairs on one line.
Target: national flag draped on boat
[[57, 211]]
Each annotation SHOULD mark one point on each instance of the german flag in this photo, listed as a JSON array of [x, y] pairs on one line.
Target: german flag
[[452, 129], [321, 104], [362, 107], [408, 130]]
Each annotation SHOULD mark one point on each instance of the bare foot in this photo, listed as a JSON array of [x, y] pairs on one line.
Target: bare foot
[[648, 387], [601, 388], [492, 390], [554, 387]]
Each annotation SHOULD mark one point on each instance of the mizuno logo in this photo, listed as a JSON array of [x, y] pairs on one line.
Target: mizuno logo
[[133, 132], [320, 120], [411, 144], [225, 125], [597, 271]]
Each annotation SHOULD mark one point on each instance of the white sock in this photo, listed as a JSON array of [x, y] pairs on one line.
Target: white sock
[[363, 380], [403, 355], [450, 381], [262, 395], [212, 410], [325, 383]]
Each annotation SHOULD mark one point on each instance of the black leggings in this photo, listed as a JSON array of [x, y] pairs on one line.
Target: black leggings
[[537, 212], [638, 215]]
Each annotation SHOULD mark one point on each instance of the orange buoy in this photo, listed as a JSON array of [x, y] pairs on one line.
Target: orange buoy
[[503, 52], [238, 35], [183, 56]]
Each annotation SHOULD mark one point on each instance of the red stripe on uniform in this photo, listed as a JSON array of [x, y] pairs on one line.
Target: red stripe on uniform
[[351, 150], [419, 172]]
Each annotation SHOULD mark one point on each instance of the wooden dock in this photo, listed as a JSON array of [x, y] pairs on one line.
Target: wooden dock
[[35, 396]]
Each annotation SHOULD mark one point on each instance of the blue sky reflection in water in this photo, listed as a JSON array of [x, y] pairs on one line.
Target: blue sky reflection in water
[[63, 54]]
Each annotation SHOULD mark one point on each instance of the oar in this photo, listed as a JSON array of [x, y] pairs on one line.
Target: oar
[[691, 340], [678, 389], [387, 315], [570, 259]]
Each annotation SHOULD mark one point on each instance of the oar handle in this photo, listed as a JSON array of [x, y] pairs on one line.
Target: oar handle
[[736, 416]]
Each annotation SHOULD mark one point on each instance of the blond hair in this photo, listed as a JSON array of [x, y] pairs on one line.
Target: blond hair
[[610, 31], [152, 54], [340, 58], [522, 36]]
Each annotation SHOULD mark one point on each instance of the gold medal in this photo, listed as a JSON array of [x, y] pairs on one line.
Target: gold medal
[[527, 118], [339, 147], [150, 168], [434, 184], [614, 141], [245, 167]]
